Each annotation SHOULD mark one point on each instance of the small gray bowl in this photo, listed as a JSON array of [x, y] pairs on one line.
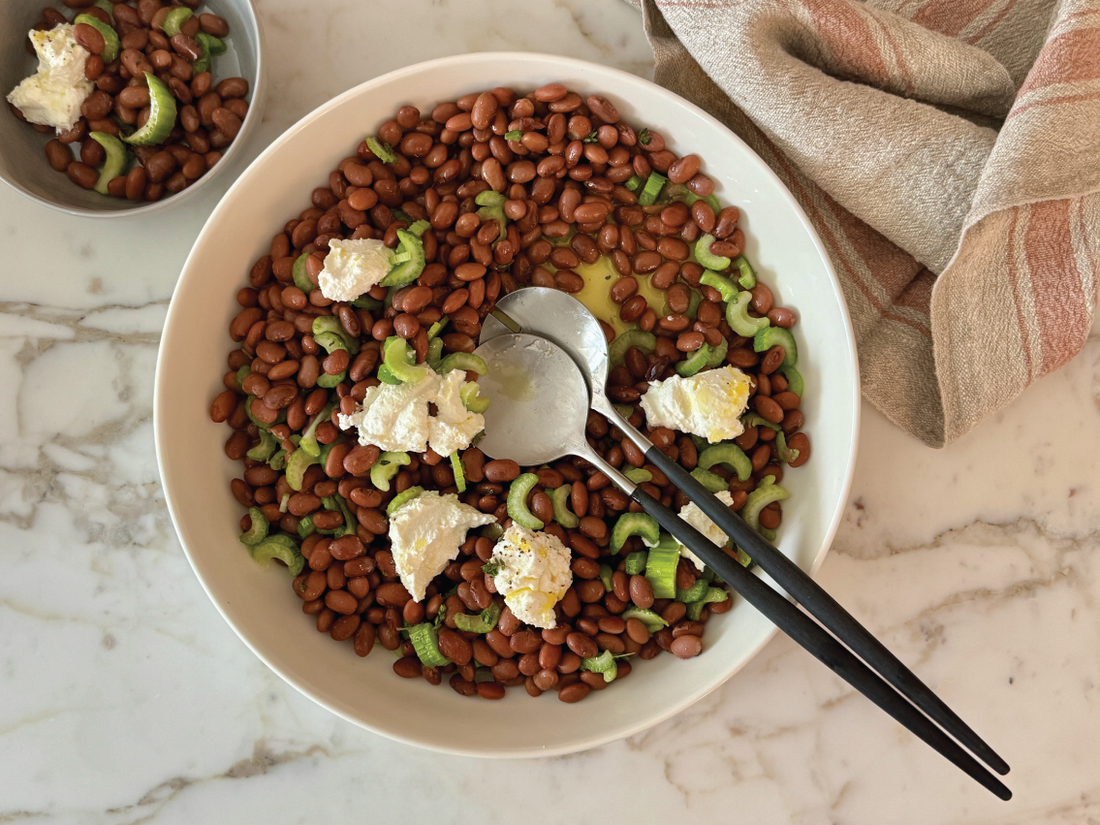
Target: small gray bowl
[[23, 163]]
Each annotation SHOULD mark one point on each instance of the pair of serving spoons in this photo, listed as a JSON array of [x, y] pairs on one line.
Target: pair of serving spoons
[[548, 365]]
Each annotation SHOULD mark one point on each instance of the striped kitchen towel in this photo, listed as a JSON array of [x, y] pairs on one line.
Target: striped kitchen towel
[[948, 152]]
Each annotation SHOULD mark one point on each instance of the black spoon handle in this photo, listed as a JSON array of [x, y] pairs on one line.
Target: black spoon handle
[[813, 638], [819, 604]]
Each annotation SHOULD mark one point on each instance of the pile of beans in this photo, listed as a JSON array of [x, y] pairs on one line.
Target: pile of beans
[[564, 174], [208, 114]]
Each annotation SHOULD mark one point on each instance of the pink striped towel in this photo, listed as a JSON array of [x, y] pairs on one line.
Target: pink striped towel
[[948, 152]]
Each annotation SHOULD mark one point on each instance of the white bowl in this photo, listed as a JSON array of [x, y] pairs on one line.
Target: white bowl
[[23, 164], [258, 603]]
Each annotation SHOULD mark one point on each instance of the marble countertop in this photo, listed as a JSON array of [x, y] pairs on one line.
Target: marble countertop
[[127, 699]]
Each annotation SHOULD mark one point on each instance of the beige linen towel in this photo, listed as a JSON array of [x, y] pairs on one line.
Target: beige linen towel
[[948, 152]]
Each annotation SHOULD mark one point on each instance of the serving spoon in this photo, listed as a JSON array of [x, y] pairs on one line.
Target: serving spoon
[[564, 322]]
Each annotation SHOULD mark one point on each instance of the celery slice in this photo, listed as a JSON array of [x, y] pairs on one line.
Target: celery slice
[[713, 483], [463, 361], [305, 527], [645, 341], [281, 547], [257, 532], [604, 664], [660, 569], [726, 287], [639, 475], [795, 383], [737, 316], [111, 44], [651, 620], [382, 151], [713, 595], [605, 576], [562, 514], [400, 361], [517, 502], [633, 183], [162, 114], [708, 259], [402, 498], [386, 467], [765, 493], [695, 362], [459, 472], [174, 19], [653, 185], [635, 524], [408, 271], [515, 134], [747, 278], [299, 274], [635, 563], [296, 466], [728, 454], [768, 337], [470, 398], [265, 449], [483, 622], [426, 643], [694, 593]]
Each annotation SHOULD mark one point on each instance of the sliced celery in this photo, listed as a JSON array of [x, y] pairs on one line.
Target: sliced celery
[[651, 620], [768, 337], [728, 454], [737, 316], [382, 151], [713, 595], [265, 449], [712, 482], [634, 524], [463, 361], [483, 622], [660, 569], [426, 643], [402, 498], [639, 475], [603, 664], [386, 467], [458, 471], [645, 341], [517, 502], [562, 514], [765, 493], [707, 258], [281, 547], [635, 563], [257, 531]]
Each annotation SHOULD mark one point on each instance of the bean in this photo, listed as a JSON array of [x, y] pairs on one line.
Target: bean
[[501, 470], [641, 591], [687, 647]]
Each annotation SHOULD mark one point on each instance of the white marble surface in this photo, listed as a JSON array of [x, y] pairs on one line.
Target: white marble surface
[[127, 699]]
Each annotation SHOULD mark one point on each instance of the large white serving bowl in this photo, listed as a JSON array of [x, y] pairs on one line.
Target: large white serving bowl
[[258, 602]]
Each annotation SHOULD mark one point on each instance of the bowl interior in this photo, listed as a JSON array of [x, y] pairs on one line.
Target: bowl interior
[[259, 604], [23, 163]]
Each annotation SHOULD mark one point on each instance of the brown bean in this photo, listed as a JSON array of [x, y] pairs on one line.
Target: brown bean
[[455, 647], [574, 692], [501, 470], [800, 442], [641, 591], [687, 647], [82, 174]]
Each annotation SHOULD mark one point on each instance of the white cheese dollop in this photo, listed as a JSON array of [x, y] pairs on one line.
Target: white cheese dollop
[[707, 404], [395, 416], [453, 427], [533, 573], [701, 522], [52, 96], [425, 534], [353, 267]]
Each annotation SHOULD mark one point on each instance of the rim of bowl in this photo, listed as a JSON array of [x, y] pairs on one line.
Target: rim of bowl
[[248, 127], [689, 698]]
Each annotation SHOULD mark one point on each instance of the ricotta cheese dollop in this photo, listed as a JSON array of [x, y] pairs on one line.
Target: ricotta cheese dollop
[[425, 534], [353, 267], [708, 404], [52, 96], [532, 573], [395, 417], [701, 522]]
